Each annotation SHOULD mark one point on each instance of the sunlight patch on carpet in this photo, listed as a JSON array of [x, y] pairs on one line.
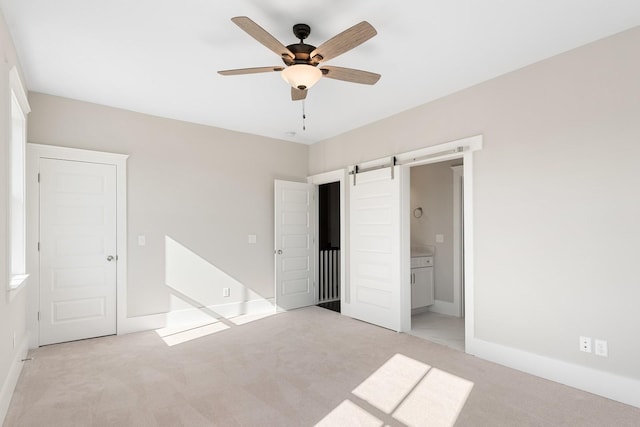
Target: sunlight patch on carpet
[[349, 414], [392, 382], [436, 401], [408, 390]]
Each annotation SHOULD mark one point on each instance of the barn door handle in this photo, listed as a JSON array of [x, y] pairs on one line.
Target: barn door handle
[[110, 258]]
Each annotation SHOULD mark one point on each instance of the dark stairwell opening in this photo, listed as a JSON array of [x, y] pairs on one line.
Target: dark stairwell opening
[[329, 246]]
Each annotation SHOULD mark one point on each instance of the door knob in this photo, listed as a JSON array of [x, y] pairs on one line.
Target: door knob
[[110, 258], [279, 251]]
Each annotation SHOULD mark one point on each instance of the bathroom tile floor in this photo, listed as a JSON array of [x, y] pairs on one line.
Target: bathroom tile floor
[[439, 328]]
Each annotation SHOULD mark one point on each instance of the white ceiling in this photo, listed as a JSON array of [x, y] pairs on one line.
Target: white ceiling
[[160, 57]]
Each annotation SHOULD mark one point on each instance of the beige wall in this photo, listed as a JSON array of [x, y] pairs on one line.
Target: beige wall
[[432, 190], [12, 309], [556, 197], [195, 192]]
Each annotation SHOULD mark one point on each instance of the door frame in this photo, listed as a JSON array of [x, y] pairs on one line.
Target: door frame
[[340, 176], [458, 241], [431, 155], [34, 152]]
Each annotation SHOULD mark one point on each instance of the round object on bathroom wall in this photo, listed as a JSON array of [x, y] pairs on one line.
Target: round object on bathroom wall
[[417, 212]]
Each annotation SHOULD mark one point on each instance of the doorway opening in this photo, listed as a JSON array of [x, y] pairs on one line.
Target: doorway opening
[[437, 253], [329, 246]]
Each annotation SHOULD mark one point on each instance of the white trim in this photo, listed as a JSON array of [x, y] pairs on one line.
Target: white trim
[[612, 386], [469, 251], [193, 315], [17, 282], [327, 177], [413, 158], [468, 146], [341, 177], [223, 311], [405, 250], [34, 153], [458, 244], [18, 89], [142, 323], [17, 279], [10, 382]]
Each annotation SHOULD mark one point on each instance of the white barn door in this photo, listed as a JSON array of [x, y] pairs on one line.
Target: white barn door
[[374, 223], [295, 225], [77, 250]]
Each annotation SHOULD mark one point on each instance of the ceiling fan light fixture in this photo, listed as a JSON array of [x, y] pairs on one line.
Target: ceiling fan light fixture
[[301, 76]]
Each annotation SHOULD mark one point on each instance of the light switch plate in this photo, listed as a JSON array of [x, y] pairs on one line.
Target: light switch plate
[[253, 239], [142, 240], [439, 238]]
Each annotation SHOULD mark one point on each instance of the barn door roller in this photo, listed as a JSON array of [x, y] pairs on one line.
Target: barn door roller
[[357, 169]]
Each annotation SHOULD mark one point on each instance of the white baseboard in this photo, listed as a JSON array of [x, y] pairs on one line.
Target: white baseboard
[[141, 323], [162, 320], [611, 386], [226, 311], [9, 385], [444, 307]]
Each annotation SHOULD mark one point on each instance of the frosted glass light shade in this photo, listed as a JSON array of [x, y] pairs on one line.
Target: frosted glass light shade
[[301, 76]]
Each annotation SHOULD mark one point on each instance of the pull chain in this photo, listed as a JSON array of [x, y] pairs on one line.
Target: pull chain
[[304, 117]]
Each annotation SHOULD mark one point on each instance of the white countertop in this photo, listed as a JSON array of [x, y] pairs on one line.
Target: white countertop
[[419, 251]]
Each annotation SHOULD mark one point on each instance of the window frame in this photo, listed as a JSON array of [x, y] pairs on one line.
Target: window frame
[[16, 200]]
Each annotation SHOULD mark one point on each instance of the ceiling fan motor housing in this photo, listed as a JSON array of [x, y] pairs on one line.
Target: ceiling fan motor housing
[[301, 51]]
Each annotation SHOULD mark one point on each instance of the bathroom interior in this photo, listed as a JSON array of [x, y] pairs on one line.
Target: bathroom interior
[[437, 253]]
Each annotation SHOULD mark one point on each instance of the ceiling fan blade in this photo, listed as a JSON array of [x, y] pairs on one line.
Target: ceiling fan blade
[[350, 75], [297, 94], [343, 42], [260, 34], [249, 70]]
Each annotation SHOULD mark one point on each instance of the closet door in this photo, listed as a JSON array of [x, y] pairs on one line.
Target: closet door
[[77, 250]]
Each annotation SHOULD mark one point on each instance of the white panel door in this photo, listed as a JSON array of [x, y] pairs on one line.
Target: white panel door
[[294, 244], [77, 250], [375, 248]]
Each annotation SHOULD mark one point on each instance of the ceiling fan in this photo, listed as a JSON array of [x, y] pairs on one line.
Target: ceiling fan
[[301, 60]]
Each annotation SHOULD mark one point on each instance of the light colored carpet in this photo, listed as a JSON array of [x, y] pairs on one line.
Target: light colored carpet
[[299, 368]]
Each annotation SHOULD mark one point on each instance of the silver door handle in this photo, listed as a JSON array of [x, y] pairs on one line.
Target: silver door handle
[[110, 258]]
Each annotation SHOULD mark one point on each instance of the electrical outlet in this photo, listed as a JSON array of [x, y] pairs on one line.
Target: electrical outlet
[[601, 348], [226, 292], [585, 344], [439, 238]]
